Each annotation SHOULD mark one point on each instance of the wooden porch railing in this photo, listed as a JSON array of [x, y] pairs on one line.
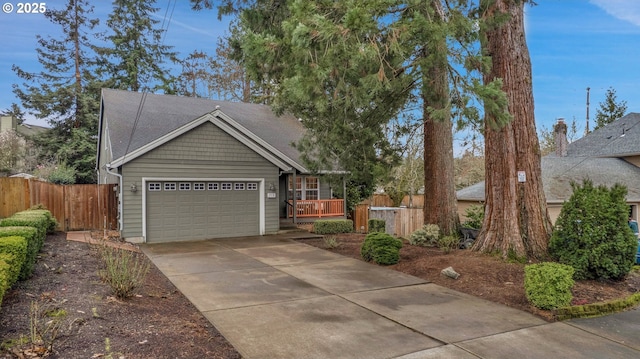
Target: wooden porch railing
[[317, 208]]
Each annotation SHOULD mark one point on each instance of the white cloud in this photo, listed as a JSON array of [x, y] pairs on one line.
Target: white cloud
[[627, 10]]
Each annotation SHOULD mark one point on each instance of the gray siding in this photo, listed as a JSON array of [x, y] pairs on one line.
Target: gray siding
[[205, 152]]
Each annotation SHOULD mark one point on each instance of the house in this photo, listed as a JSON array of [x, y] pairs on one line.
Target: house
[[15, 162], [608, 155], [193, 168]]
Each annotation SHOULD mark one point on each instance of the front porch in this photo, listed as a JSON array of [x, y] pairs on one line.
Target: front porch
[[322, 208]]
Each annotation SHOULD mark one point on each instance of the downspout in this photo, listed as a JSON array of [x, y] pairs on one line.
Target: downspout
[[108, 168]]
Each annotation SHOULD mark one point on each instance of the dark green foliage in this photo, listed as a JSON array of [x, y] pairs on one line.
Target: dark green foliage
[[475, 216], [592, 234], [609, 110], [135, 57], [548, 285], [16, 248], [381, 248], [376, 225], [5, 273], [333, 226], [30, 234], [65, 91]]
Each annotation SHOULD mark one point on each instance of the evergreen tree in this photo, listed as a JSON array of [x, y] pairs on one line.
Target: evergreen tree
[[610, 110], [516, 221], [135, 57], [65, 92], [348, 68]]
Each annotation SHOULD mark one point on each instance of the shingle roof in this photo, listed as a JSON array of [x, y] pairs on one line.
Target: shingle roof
[[595, 157], [162, 114], [619, 138]]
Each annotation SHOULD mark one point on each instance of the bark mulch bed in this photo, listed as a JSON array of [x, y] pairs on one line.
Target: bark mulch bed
[[482, 275], [157, 322]]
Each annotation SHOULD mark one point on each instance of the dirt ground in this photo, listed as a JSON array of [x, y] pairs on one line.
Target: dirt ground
[[483, 276], [158, 322]]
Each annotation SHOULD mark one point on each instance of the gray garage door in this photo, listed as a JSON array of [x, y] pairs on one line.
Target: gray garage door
[[178, 211]]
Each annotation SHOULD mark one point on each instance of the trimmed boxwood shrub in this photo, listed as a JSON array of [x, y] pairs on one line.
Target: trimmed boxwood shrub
[[548, 285], [16, 247], [381, 248], [30, 234], [592, 234], [39, 222], [52, 223], [5, 273], [376, 225], [333, 226]]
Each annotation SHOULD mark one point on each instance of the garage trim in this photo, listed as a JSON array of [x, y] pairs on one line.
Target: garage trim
[[261, 203]]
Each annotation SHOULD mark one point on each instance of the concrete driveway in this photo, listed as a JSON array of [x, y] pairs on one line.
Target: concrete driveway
[[273, 297]]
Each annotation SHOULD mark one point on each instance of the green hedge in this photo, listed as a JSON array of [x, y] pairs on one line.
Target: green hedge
[[548, 285], [16, 247], [333, 226], [34, 243], [377, 225], [38, 221], [52, 223], [381, 248], [5, 273]]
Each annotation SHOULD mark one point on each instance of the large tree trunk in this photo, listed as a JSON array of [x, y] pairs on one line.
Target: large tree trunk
[[439, 184], [516, 219]]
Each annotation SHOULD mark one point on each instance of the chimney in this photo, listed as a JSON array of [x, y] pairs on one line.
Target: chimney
[[560, 132]]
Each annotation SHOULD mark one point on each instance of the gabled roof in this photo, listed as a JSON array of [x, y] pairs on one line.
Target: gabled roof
[[597, 157], [164, 117]]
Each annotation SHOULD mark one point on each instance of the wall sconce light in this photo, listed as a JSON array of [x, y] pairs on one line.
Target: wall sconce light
[[134, 188], [272, 187]]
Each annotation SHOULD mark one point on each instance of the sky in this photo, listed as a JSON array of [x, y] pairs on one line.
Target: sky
[[573, 44]]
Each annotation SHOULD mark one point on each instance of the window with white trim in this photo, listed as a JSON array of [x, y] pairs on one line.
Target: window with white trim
[[169, 186], [185, 186], [238, 186], [311, 188], [252, 186], [154, 186], [226, 186], [213, 186], [307, 188], [198, 186]]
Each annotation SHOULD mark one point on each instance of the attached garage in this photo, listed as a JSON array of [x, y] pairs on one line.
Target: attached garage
[[179, 209]]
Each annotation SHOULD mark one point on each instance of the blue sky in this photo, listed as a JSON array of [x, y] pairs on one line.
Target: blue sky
[[574, 44]]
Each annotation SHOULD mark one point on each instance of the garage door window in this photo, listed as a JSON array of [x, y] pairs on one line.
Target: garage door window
[[198, 186], [169, 186], [226, 186], [238, 186], [154, 186], [251, 186], [185, 186], [212, 186]]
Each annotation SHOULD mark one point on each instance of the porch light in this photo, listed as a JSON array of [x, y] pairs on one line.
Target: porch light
[[134, 188], [272, 187]]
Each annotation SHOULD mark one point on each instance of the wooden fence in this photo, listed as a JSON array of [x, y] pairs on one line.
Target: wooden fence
[[383, 200], [400, 222], [75, 207]]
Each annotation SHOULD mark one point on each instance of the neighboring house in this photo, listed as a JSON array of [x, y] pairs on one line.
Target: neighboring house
[[192, 168], [21, 150], [606, 156]]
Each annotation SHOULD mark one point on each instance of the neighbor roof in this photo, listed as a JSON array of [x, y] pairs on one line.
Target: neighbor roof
[[595, 157], [162, 115]]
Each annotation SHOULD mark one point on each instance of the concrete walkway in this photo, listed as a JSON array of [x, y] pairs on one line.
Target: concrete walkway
[[272, 297]]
